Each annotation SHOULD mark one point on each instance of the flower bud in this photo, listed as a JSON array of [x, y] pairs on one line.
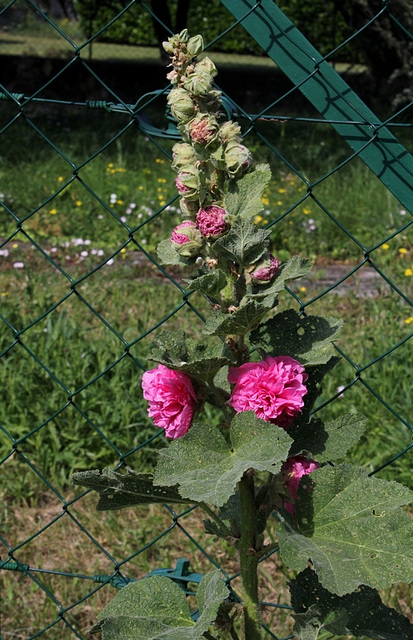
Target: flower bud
[[265, 270], [203, 129], [188, 182], [230, 132], [211, 221], [195, 45], [187, 239], [182, 107], [198, 83], [206, 66], [189, 207], [237, 158], [183, 154]]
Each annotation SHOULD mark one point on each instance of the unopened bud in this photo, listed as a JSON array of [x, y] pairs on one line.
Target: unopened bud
[[183, 154], [182, 107], [195, 45], [230, 132], [237, 158], [187, 239], [265, 270], [188, 182]]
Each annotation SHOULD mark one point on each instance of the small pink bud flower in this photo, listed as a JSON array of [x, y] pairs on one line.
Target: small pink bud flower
[[181, 187], [293, 470], [203, 129], [211, 221], [265, 270], [171, 399], [273, 388], [178, 235]]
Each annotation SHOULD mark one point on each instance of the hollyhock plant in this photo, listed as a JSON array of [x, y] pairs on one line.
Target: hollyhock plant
[[171, 399], [211, 221], [293, 470], [273, 388]]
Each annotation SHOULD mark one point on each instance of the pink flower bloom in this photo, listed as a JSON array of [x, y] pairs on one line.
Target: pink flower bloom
[[171, 398], [294, 469], [211, 221], [273, 389], [181, 238], [181, 187]]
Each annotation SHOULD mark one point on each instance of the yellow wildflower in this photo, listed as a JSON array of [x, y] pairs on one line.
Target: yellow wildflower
[[119, 201], [265, 201], [258, 219], [302, 289], [409, 320], [385, 246], [53, 211], [60, 179], [282, 190], [402, 250], [408, 272], [306, 211], [78, 203]]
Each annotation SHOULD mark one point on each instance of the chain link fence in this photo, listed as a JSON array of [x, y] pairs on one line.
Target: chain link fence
[[82, 293]]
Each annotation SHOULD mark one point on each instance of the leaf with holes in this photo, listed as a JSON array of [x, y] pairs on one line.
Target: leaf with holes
[[361, 613], [207, 469], [308, 339], [176, 350], [119, 490], [327, 441], [351, 528], [156, 607]]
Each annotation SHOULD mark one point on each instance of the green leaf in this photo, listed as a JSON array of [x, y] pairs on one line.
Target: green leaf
[[246, 318], [308, 339], [210, 283], [361, 613], [207, 469], [156, 607], [350, 527], [244, 243], [176, 350], [245, 195], [126, 489], [168, 255], [327, 441], [297, 267]]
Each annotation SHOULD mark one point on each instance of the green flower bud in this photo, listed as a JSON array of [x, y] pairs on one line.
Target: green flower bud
[[182, 107], [189, 207], [206, 66], [195, 45], [230, 132], [237, 158], [188, 182], [183, 154], [198, 83]]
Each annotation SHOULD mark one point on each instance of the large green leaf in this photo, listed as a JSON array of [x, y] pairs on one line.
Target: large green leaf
[[246, 318], [244, 244], [207, 469], [168, 255], [361, 613], [327, 441], [350, 527], [209, 283], [295, 268], [156, 608], [119, 490], [309, 339], [245, 195], [176, 350]]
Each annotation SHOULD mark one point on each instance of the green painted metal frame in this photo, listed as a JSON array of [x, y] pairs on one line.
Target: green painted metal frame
[[371, 141]]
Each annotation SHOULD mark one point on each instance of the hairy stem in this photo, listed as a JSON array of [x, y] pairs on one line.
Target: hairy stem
[[249, 558]]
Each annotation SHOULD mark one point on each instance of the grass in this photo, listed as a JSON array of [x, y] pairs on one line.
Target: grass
[[109, 292]]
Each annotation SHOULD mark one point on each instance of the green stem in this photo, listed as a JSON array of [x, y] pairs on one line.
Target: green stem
[[249, 558]]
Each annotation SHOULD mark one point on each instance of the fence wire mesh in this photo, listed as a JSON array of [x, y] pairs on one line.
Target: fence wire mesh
[[87, 193]]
